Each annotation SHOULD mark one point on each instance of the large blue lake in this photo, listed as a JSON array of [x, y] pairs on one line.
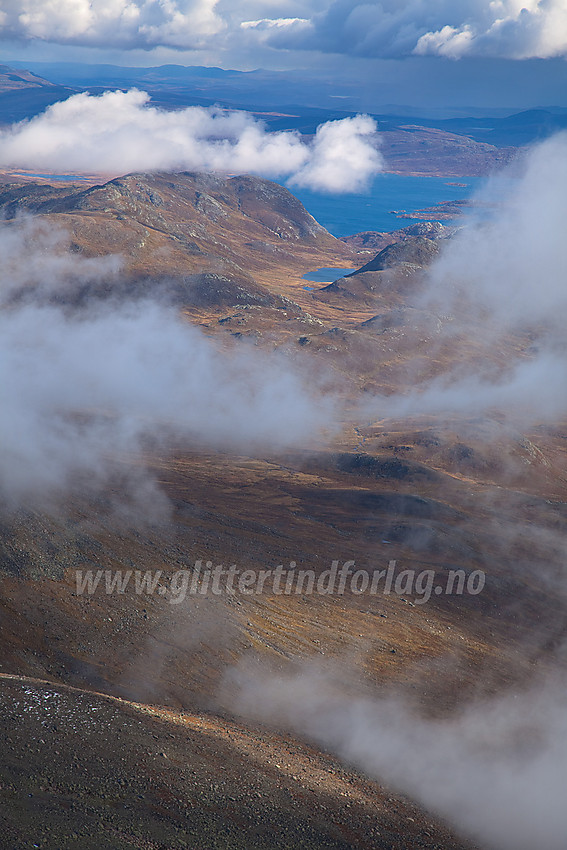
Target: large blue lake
[[344, 215]]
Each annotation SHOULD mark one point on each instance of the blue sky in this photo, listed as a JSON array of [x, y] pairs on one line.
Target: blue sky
[[478, 52]]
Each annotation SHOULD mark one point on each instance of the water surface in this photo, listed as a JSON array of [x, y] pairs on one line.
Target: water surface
[[344, 215]]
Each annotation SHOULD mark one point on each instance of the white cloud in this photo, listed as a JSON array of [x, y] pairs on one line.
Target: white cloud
[[270, 23], [448, 41], [119, 132], [343, 154]]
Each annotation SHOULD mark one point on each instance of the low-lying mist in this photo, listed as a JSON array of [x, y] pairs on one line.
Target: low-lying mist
[[81, 388], [496, 769]]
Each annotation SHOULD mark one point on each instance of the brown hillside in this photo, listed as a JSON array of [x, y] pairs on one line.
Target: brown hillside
[[142, 748]]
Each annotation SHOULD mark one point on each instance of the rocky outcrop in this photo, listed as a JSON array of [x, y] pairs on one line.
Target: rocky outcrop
[[374, 240], [417, 251]]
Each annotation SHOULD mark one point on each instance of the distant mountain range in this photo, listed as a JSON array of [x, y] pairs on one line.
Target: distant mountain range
[[453, 147], [24, 93], [286, 99]]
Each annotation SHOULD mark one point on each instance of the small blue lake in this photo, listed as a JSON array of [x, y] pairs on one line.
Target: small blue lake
[[325, 275], [73, 177]]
